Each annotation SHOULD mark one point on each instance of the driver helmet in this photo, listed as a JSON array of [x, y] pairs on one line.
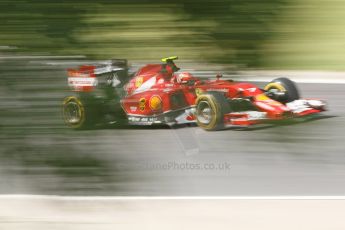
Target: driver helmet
[[184, 77]]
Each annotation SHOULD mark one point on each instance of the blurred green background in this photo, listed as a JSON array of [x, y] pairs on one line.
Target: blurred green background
[[269, 34]]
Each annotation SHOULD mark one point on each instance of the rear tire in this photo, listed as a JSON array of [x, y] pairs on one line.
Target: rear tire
[[286, 86], [210, 110], [77, 114]]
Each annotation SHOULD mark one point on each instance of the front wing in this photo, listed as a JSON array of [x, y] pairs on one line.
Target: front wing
[[298, 108]]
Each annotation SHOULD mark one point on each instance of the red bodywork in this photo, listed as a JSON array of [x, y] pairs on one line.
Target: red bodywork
[[165, 86]]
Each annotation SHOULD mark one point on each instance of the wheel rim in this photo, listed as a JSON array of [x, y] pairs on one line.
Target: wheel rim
[[72, 113], [274, 90], [204, 113], [280, 95]]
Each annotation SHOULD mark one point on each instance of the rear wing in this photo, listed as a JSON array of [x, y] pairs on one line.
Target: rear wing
[[87, 77]]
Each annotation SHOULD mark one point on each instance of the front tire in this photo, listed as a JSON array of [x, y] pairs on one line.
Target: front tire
[[284, 89], [210, 111]]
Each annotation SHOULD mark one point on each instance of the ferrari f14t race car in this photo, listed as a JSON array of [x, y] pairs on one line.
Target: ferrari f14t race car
[[159, 94]]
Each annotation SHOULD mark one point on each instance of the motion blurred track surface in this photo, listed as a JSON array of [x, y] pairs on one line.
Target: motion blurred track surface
[[39, 155]]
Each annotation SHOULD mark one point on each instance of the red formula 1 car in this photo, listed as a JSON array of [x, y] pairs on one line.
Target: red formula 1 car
[[157, 94]]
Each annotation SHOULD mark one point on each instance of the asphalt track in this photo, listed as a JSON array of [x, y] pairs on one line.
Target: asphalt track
[[39, 155]]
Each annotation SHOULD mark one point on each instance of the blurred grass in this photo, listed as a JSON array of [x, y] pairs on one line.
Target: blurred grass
[[274, 34], [309, 35]]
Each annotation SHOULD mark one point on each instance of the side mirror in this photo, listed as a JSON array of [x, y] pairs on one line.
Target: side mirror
[[218, 76]]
